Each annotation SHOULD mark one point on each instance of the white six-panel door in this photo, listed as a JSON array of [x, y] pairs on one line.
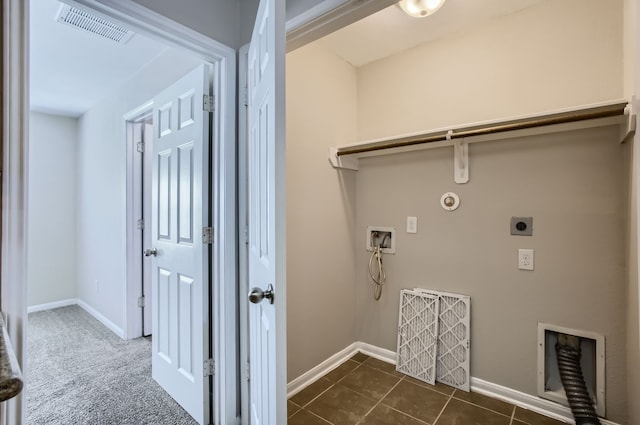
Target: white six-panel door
[[266, 216], [180, 199]]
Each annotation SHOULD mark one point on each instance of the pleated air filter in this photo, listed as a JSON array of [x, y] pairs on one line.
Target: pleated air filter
[[86, 21], [418, 335], [453, 340], [420, 351]]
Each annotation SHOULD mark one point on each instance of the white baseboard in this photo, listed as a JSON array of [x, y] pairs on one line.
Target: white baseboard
[[377, 352], [480, 386], [526, 401], [50, 306], [102, 319], [312, 375], [92, 311]]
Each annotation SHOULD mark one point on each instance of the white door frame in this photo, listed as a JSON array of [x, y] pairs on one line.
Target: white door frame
[[15, 17], [243, 227], [135, 245]]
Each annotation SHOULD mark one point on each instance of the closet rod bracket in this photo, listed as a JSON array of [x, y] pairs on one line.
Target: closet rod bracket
[[628, 127], [342, 162], [460, 159]]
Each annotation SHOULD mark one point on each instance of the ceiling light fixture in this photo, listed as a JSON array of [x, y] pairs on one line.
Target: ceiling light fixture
[[420, 8]]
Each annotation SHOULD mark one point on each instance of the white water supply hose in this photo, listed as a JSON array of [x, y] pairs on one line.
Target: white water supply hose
[[380, 277]]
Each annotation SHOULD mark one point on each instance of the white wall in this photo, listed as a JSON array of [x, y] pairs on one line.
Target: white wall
[[554, 55], [51, 266], [228, 22], [321, 109], [217, 19], [101, 185]]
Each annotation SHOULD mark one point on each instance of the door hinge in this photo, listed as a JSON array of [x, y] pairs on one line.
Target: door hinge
[[140, 147], [140, 224], [245, 235], [248, 372], [208, 367], [245, 96], [141, 302], [208, 103], [207, 235]]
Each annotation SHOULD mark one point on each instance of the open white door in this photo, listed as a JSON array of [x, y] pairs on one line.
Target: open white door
[[266, 215], [180, 278]]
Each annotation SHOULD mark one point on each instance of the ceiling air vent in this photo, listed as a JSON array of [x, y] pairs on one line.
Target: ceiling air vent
[[86, 21]]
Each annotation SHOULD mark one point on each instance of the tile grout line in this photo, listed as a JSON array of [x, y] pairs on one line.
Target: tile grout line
[[479, 406], [405, 414], [381, 398], [513, 415], [333, 384], [314, 399], [406, 379], [319, 417], [444, 407]]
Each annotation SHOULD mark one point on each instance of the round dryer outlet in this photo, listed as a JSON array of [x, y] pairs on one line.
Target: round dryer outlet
[[450, 201]]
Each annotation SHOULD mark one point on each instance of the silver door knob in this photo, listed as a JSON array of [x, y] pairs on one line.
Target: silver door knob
[[150, 252], [257, 295]]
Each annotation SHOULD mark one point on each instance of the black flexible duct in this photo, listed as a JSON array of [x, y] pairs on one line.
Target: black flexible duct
[[574, 386]]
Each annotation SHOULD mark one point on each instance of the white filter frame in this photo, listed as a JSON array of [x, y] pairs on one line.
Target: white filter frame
[[454, 339], [418, 335]]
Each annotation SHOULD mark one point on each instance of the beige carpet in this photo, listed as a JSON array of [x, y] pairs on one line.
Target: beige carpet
[[79, 372]]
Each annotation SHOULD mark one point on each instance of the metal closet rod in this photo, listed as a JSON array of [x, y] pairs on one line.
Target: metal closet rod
[[521, 124]]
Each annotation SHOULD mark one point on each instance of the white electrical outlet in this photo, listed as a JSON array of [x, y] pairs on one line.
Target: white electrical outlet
[[525, 259], [412, 224]]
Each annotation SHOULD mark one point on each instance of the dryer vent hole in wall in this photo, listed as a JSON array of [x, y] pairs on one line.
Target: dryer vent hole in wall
[[579, 351]]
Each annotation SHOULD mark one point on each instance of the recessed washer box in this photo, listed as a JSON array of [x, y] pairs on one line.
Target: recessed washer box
[[385, 237]]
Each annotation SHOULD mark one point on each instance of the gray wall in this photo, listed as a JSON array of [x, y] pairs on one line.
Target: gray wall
[[576, 188], [632, 305], [632, 88], [320, 209], [51, 269], [574, 185]]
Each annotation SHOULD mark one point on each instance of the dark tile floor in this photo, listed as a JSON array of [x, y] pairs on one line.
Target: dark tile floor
[[367, 391]]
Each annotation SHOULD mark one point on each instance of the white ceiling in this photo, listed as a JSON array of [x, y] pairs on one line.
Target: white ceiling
[[391, 31], [72, 69]]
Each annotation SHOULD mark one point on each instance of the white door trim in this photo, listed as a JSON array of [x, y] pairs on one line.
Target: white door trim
[[135, 245], [15, 134], [15, 139], [243, 229], [328, 16]]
